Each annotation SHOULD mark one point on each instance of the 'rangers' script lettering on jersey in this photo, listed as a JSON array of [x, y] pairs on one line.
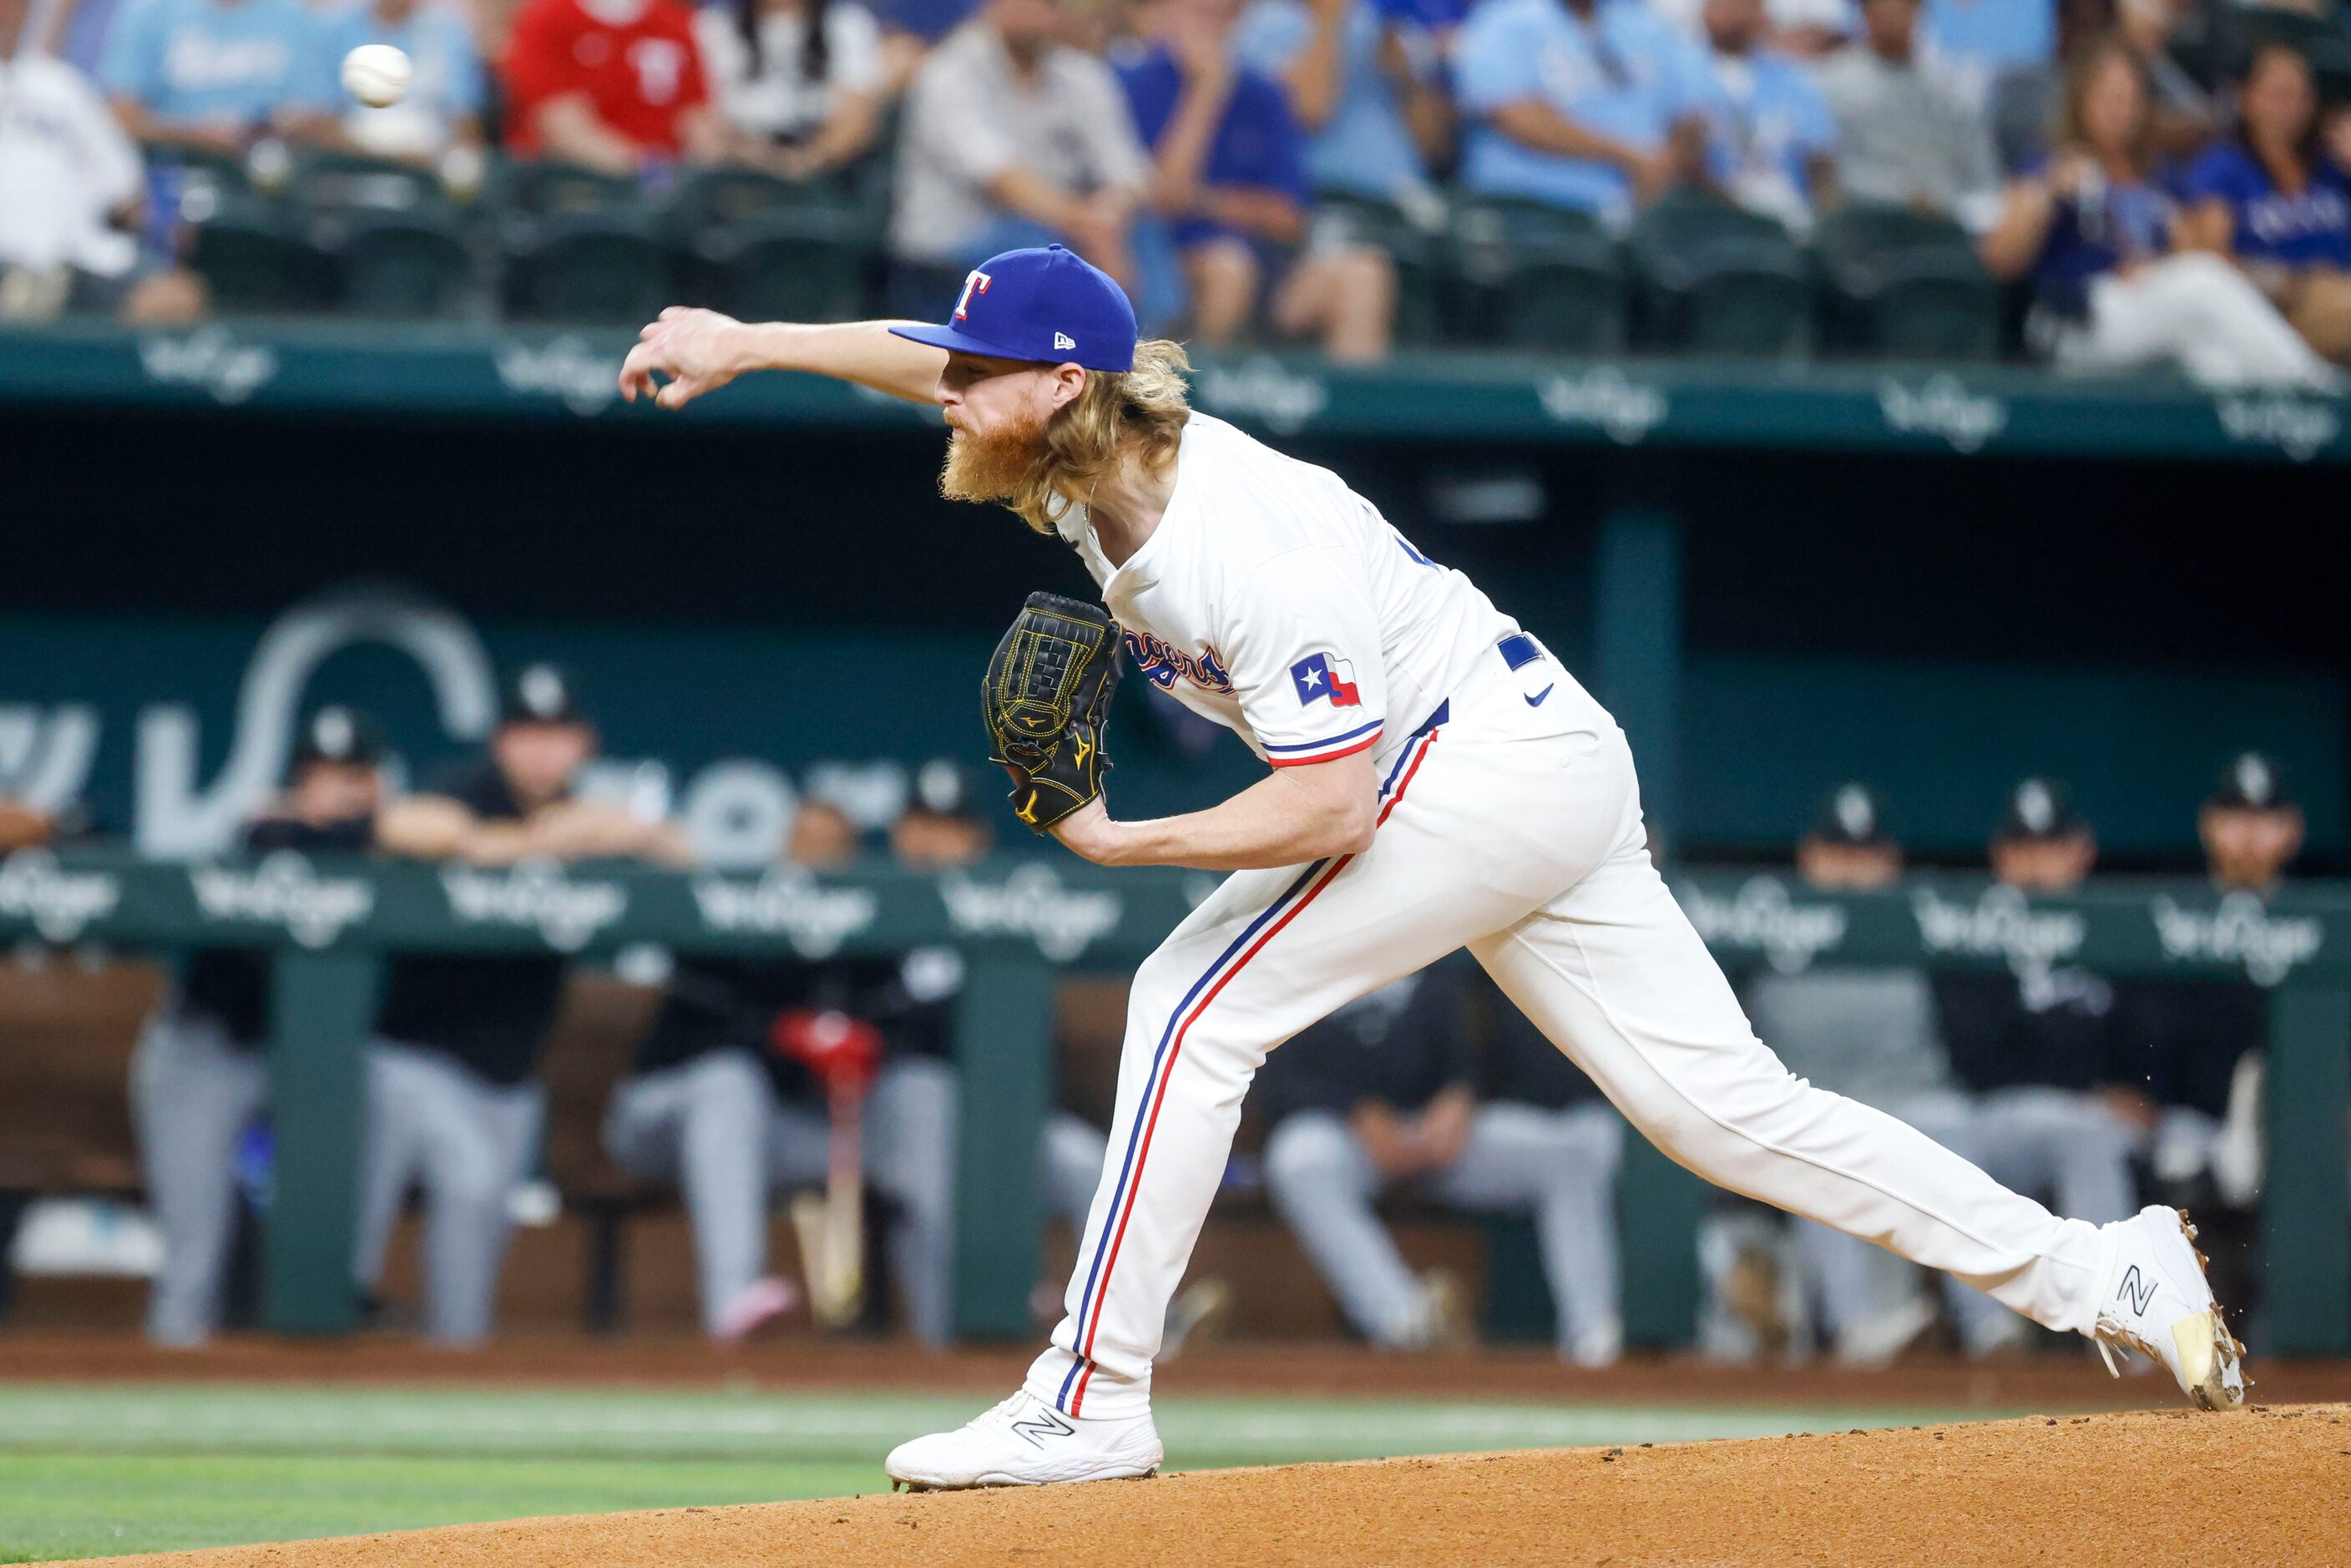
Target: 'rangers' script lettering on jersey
[[1162, 663]]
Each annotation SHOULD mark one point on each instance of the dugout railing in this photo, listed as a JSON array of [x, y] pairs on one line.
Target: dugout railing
[[331, 924]]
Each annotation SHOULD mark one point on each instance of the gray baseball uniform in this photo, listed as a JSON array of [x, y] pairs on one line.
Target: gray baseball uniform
[[193, 1090], [1871, 1034], [451, 1103], [469, 1141], [710, 1108], [704, 1124], [1547, 1150], [198, 1078]]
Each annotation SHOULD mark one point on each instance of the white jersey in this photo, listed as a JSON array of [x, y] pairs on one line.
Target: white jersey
[[1276, 602], [64, 166]]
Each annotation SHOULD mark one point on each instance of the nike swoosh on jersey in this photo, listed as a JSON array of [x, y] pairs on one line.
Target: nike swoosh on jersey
[[1536, 700]]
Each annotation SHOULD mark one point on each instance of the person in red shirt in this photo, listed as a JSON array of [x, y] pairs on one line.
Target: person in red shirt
[[611, 84]]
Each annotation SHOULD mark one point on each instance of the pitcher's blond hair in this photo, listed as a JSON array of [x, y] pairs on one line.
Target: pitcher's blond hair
[[1141, 411]]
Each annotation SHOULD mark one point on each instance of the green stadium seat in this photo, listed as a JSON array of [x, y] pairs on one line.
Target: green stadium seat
[[609, 267], [2214, 44], [399, 265], [711, 198], [252, 252], [808, 264], [538, 189], [327, 181], [200, 168], [1715, 279], [2330, 68], [1416, 252], [1534, 275], [1904, 285]]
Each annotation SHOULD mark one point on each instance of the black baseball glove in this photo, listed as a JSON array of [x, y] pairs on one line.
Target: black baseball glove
[[1047, 702]]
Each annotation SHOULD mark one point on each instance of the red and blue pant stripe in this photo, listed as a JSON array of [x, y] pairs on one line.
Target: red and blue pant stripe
[[1267, 923]]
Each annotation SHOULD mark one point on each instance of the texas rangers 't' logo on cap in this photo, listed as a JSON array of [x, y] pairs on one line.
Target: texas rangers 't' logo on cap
[[1045, 305]]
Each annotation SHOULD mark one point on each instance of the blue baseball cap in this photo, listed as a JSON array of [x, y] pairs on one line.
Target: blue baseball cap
[[1050, 305]]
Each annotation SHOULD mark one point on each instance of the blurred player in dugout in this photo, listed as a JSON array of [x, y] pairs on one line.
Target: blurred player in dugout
[[728, 1095], [2055, 1107], [1869, 1032], [451, 1103], [1386, 1093], [2198, 1045], [198, 1077]]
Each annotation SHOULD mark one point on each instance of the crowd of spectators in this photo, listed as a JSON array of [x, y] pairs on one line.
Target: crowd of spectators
[[1220, 156], [2093, 1092]]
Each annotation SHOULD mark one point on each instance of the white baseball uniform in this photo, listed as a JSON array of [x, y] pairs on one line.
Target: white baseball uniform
[[1275, 600]]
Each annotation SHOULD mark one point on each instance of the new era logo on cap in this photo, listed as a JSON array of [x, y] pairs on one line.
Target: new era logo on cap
[[1064, 341]]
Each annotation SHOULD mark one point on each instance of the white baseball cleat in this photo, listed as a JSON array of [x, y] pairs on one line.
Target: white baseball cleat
[[2157, 1303], [1025, 1442]]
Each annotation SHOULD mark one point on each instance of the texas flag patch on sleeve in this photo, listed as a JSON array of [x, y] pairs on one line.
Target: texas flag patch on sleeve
[[1325, 678]]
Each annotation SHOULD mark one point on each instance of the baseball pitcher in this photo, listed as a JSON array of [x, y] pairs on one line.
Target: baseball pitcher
[[1435, 780]]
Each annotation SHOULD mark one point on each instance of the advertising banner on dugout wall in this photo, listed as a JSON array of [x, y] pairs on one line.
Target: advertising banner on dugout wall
[[166, 731]]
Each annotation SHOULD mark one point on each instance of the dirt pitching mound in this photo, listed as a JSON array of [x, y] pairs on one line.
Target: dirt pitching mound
[[2268, 1487]]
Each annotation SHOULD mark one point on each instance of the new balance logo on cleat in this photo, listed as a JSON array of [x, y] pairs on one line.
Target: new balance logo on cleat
[[2139, 1292], [1046, 1423]]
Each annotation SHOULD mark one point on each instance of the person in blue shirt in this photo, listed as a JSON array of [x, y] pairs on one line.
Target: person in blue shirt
[[2094, 233], [443, 106], [1228, 176], [210, 74], [1598, 105], [1772, 145], [1364, 81], [2276, 199]]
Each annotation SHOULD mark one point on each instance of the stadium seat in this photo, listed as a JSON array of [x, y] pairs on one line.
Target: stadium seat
[[192, 166], [349, 183], [252, 252], [1904, 285], [1414, 249], [2230, 36], [403, 265], [1714, 279], [712, 198], [539, 189], [795, 264], [608, 266], [1534, 275], [2330, 64]]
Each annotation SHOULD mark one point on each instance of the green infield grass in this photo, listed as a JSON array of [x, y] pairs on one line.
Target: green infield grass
[[93, 1469]]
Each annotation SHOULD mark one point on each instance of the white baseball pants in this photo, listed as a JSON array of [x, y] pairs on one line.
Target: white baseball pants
[[1513, 828]]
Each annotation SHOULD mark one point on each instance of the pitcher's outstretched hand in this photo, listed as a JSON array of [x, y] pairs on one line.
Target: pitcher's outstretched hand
[[693, 351]]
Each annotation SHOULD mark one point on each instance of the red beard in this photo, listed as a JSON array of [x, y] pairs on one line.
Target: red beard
[[992, 467]]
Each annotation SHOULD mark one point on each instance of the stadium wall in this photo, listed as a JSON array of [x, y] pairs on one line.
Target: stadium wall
[[1937, 624]]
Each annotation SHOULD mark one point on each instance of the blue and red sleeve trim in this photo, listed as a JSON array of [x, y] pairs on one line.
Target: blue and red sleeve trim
[[1290, 753]]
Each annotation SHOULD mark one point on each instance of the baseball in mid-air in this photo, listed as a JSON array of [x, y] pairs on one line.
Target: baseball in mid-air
[[376, 73]]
